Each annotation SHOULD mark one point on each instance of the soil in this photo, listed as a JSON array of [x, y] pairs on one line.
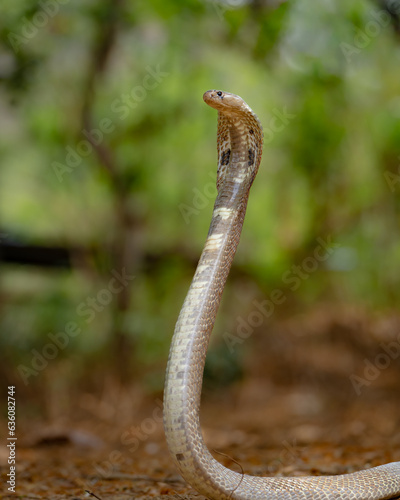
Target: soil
[[319, 394]]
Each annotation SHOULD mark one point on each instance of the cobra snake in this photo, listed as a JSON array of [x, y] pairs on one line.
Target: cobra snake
[[240, 141]]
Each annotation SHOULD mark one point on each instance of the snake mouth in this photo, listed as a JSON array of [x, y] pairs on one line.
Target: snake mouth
[[213, 94], [213, 98]]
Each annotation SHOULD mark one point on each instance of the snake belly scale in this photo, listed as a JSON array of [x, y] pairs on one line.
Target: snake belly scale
[[239, 144]]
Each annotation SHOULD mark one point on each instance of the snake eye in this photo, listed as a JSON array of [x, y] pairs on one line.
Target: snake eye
[[219, 93]]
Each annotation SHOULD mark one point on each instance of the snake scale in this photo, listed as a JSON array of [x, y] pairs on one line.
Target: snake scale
[[240, 139]]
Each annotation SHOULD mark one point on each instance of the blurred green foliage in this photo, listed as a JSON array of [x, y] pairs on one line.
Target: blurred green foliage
[[330, 165]]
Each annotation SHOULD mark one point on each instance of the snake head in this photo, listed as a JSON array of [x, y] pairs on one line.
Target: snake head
[[224, 101]]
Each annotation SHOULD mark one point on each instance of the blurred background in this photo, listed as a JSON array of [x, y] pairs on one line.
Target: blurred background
[[107, 184]]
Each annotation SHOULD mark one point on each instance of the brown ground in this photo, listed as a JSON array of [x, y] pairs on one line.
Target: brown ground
[[296, 412]]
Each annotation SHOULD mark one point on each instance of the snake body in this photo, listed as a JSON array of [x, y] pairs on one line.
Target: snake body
[[240, 139]]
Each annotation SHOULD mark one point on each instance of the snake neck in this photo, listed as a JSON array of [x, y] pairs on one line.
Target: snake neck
[[196, 320]]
